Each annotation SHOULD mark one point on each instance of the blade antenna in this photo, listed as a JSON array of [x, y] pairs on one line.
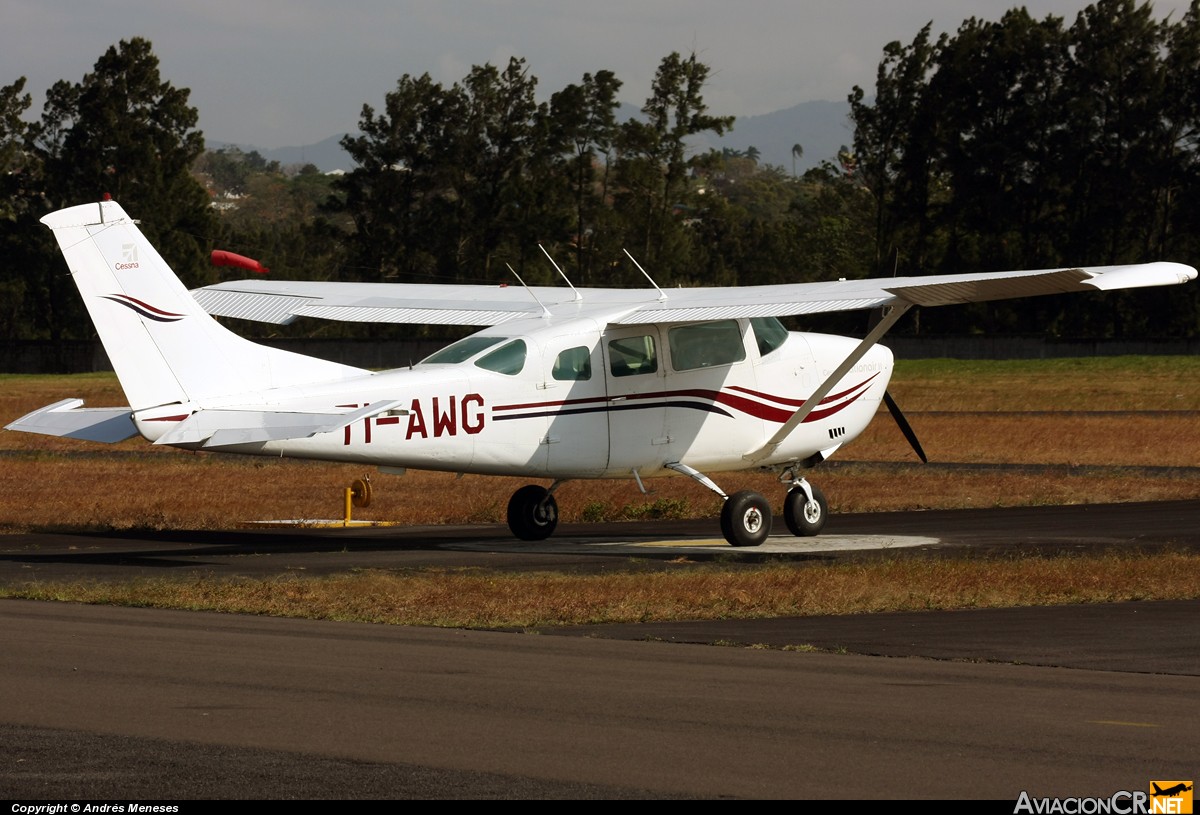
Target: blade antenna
[[662, 295], [578, 296], [545, 311]]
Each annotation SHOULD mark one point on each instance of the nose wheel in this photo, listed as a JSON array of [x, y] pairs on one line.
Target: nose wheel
[[805, 510]]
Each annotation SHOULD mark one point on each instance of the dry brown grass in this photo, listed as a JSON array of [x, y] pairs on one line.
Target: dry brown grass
[[1105, 383], [49, 483], [466, 599]]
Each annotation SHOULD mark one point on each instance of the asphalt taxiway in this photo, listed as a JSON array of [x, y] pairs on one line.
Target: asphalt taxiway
[[983, 704]]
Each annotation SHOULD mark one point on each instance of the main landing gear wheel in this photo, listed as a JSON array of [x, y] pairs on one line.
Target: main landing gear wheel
[[746, 519], [532, 513], [805, 518]]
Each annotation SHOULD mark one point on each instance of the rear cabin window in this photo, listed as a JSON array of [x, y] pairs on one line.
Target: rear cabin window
[[706, 345], [769, 333], [507, 359], [573, 365], [631, 356]]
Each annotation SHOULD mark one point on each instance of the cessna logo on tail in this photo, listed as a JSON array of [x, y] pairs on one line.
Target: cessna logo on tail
[[129, 257]]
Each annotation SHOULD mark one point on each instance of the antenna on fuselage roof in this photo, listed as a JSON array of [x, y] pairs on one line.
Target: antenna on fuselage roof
[[662, 295], [545, 311], [578, 296]]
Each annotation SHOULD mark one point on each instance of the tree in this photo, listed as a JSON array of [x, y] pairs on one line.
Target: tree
[[505, 189], [122, 130], [654, 161], [892, 145], [584, 131], [227, 170], [1116, 81], [1021, 144], [400, 175], [15, 178], [13, 104], [448, 178]]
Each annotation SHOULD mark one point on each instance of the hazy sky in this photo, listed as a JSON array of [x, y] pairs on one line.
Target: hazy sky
[[276, 73]]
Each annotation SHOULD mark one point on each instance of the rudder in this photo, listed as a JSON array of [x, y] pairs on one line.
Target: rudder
[[163, 346]]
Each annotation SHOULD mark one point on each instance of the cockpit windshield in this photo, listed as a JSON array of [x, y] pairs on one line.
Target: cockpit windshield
[[462, 350], [769, 333]]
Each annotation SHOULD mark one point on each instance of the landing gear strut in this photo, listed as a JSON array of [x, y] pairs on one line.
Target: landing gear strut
[[533, 512]]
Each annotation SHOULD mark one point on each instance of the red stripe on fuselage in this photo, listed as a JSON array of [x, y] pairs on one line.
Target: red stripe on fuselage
[[744, 404]]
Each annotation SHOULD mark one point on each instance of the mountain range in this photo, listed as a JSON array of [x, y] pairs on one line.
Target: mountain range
[[819, 127]]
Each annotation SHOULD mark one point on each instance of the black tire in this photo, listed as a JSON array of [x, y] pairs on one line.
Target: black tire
[[746, 519], [532, 513], [804, 518]]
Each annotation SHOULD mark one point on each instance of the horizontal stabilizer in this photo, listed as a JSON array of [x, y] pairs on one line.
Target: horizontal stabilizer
[[228, 428], [67, 418]]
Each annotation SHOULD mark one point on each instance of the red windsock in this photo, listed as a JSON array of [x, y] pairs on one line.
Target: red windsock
[[222, 258]]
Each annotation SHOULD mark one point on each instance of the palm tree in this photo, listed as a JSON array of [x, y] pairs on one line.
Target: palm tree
[[797, 152]]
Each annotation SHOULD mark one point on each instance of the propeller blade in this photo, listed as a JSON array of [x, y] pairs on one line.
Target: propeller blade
[[905, 427], [873, 319]]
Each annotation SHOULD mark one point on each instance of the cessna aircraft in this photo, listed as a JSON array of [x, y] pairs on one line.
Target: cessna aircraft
[[561, 384]]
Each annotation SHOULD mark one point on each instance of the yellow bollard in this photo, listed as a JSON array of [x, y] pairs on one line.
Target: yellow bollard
[[357, 494]]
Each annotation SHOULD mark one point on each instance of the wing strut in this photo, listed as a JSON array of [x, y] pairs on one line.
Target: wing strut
[[891, 315]]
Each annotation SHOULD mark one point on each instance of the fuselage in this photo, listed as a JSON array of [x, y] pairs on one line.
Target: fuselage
[[577, 399]]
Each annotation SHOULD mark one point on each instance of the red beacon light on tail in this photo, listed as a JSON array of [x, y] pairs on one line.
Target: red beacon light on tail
[[222, 258]]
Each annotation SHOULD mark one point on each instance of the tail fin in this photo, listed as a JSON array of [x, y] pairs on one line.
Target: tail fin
[[164, 347]]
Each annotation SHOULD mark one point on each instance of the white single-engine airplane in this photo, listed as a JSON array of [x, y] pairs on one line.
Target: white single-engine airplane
[[562, 384]]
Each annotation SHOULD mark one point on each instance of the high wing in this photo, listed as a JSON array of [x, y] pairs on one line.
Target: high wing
[[456, 304]]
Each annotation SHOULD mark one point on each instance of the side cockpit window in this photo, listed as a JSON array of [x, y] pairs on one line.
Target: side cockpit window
[[706, 345], [769, 333], [573, 365], [630, 356]]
